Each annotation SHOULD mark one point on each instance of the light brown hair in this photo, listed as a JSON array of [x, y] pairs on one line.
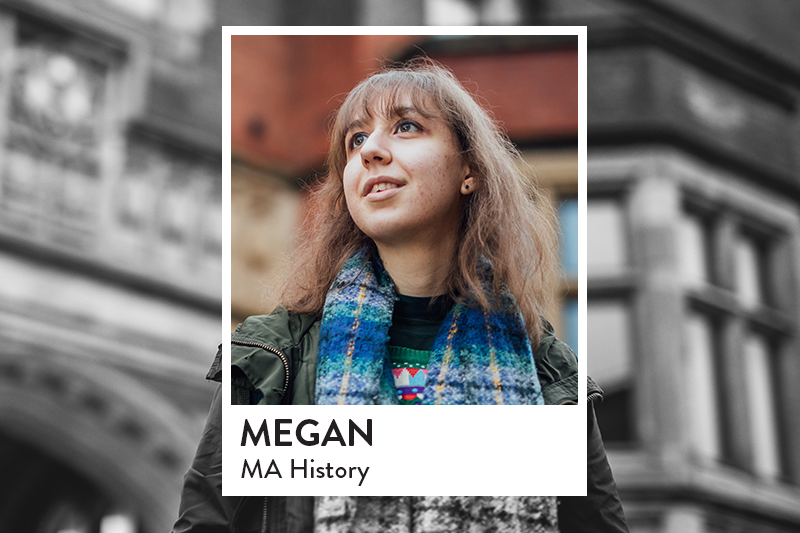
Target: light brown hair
[[506, 220]]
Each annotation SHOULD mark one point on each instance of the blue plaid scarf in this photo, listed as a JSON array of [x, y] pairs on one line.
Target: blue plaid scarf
[[479, 356]]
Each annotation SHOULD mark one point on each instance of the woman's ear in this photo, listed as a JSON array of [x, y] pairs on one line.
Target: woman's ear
[[469, 185]]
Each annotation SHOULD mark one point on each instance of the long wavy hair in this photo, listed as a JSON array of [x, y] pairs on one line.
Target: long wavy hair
[[507, 220]]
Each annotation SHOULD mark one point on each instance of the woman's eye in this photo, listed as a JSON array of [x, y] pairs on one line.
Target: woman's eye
[[357, 140], [408, 126]]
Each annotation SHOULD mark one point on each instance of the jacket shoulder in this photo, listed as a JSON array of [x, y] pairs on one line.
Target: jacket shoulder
[[280, 329], [269, 354], [557, 368]]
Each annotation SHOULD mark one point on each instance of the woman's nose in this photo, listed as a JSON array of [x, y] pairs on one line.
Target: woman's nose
[[375, 149]]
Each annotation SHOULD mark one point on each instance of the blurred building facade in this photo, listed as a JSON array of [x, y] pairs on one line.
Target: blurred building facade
[[110, 233], [110, 217], [693, 244], [694, 155]]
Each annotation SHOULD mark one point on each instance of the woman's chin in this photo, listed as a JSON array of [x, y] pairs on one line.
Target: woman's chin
[[390, 235], [383, 227]]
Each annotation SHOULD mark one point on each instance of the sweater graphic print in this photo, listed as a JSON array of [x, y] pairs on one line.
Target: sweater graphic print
[[409, 369]]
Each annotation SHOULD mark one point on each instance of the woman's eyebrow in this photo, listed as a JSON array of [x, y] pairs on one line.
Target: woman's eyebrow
[[397, 111], [355, 124]]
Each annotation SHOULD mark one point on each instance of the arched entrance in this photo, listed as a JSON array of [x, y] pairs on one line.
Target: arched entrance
[[86, 448]]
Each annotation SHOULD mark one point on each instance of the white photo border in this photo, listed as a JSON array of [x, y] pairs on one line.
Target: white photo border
[[479, 450]]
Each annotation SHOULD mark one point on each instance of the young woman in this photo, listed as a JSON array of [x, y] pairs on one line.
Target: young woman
[[420, 277]]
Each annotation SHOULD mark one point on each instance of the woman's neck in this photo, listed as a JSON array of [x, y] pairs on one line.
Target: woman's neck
[[419, 270]]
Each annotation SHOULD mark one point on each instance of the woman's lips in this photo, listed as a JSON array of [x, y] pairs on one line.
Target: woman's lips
[[381, 187], [378, 187], [382, 191]]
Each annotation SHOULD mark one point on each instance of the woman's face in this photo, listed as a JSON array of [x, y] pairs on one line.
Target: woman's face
[[403, 177]]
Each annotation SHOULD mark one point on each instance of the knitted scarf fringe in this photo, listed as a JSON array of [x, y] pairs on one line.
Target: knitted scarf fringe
[[436, 514]]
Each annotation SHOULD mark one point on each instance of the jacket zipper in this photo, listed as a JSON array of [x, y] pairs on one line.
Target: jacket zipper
[[264, 515], [285, 387], [276, 352]]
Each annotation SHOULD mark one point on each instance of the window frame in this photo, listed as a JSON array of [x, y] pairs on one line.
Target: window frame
[[720, 301]]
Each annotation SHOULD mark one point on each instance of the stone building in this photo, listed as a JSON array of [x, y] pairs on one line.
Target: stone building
[[693, 247], [110, 235], [110, 239]]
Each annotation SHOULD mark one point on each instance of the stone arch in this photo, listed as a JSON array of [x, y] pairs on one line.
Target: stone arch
[[125, 438]]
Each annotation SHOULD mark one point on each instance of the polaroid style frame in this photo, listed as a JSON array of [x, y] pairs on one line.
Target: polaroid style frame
[[421, 450]]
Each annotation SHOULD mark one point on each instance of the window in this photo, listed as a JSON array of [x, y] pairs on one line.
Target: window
[[610, 322], [167, 204], [611, 365], [607, 247], [609, 343], [568, 216], [695, 250], [701, 386], [472, 12], [701, 342], [764, 432], [568, 220], [749, 272], [733, 331]]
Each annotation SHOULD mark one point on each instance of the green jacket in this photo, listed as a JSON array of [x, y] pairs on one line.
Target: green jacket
[[273, 360]]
